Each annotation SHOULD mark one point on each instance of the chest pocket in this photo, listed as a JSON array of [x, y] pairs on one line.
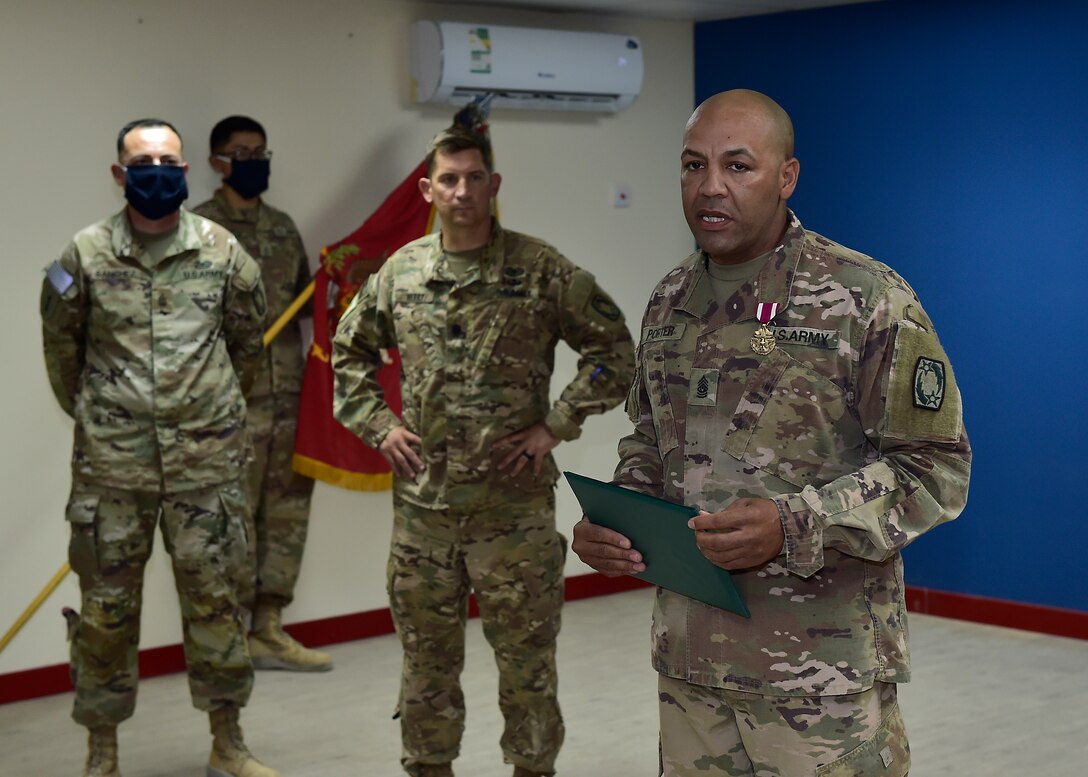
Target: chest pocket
[[423, 342], [195, 294], [515, 343], [657, 390], [118, 297], [795, 423]]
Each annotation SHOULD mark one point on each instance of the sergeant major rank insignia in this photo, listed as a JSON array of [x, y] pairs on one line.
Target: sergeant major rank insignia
[[929, 382], [703, 387]]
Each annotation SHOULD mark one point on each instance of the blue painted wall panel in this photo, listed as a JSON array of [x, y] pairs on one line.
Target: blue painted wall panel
[[948, 139]]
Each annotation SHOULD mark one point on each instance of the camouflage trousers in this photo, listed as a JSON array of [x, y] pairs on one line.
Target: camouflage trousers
[[713, 732], [112, 535], [512, 557], [280, 502]]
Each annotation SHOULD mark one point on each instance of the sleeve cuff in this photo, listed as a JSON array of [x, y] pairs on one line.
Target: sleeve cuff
[[380, 427], [561, 425], [803, 536]]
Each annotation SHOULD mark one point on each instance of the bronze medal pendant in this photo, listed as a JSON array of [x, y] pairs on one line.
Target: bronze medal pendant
[[763, 340]]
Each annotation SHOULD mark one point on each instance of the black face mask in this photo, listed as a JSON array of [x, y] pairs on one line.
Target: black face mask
[[249, 178], [155, 191]]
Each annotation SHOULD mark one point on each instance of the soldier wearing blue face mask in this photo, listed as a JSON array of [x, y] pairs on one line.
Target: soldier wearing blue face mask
[[151, 328], [280, 497]]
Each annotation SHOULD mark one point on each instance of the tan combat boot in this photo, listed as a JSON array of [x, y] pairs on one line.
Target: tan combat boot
[[230, 757], [102, 753], [271, 648]]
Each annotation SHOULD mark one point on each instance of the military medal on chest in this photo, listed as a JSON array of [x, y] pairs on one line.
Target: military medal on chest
[[763, 341]]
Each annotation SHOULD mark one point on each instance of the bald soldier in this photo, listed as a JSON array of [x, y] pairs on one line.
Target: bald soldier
[[795, 392]]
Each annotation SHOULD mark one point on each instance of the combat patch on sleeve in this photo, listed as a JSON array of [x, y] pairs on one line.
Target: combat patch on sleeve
[[923, 401], [606, 307]]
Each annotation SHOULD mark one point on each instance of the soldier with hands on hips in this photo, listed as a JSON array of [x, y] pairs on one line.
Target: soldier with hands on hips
[[796, 392], [151, 327], [279, 497], [477, 312]]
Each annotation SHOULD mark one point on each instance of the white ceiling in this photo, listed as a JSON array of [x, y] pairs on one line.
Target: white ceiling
[[691, 10]]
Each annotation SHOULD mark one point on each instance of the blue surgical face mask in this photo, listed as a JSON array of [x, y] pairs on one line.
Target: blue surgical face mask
[[249, 177], [155, 191]]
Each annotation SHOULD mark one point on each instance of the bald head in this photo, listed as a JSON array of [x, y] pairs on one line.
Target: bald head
[[776, 121], [737, 172]]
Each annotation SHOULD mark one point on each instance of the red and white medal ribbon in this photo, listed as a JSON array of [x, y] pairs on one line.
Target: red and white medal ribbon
[[765, 311]]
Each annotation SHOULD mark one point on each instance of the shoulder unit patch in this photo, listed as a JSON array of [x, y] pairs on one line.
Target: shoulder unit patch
[[929, 383], [922, 400]]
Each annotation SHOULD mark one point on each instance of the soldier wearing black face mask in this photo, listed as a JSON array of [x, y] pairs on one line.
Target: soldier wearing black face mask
[[279, 497], [151, 330]]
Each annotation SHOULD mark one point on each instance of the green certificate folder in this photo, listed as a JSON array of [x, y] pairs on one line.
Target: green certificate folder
[[659, 531]]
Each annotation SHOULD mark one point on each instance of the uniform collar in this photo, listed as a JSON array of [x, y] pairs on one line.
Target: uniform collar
[[773, 283], [491, 263], [124, 243], [234, 213]]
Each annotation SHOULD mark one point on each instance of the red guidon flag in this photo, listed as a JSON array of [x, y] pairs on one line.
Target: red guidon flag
[[324, 449]]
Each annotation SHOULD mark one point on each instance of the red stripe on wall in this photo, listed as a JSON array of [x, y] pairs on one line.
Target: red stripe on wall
[[48, 680], [999, 612]]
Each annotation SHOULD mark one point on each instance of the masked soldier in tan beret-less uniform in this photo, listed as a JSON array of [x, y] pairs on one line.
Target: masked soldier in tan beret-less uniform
[[151, 325], [279, 496], [476, 312], [796, 393]]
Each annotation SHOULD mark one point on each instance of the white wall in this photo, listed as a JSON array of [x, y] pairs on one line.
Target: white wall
[[329, 80]]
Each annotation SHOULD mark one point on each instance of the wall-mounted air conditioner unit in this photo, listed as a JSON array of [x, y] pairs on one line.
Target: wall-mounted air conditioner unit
[[523, 67]]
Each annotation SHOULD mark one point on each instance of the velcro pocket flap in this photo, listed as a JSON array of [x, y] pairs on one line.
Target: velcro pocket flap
[[884, 754]]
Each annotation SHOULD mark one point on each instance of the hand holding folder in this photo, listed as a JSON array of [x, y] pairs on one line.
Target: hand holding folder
[[659, 531]]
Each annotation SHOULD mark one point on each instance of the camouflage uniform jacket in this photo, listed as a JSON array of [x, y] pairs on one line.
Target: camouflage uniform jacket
[[147, 359], [270, 237], [477, 356], [852, 425]]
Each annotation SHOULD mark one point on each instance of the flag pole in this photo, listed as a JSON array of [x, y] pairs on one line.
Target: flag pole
[[269, 336], [290, 313], [34, 605]]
